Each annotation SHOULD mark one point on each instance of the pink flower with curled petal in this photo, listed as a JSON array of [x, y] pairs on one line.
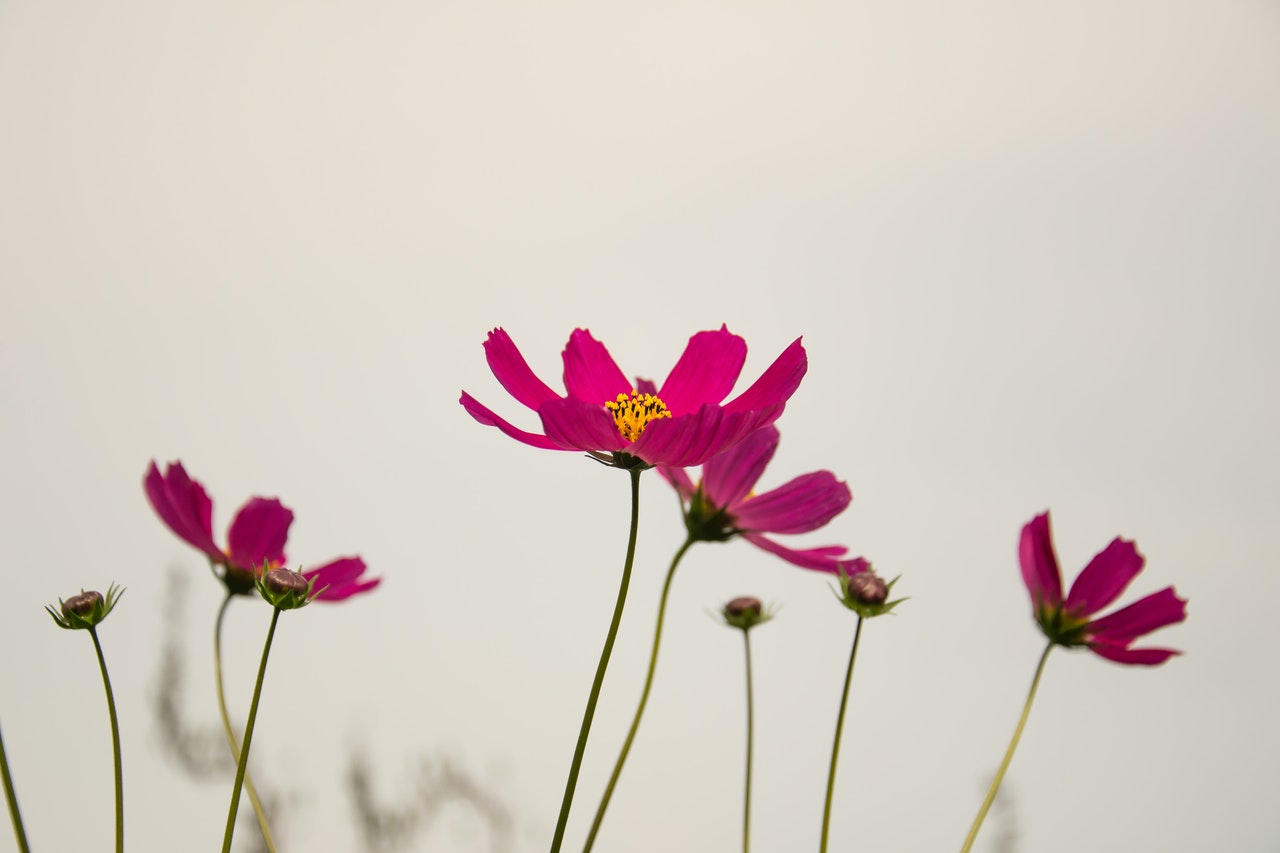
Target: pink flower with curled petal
[[255, 540], [684, 422], [722, 505], [1071, 622]]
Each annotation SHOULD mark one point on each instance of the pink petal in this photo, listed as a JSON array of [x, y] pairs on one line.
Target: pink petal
[[827, 559], [590, 373], [1102, 581], [679, 478], [776, 385], [706, 371], [183, 506], [513, 372], [806, 503], [339, 579], [730, 476], [258, 534], [575, 424], [488, 418], [1140, 657], [686, 440], [1040, 565], [1142, 617]]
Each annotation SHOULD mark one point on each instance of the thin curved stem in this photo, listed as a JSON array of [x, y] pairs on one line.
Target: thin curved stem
[[243, 763], [835, 747], [590, 712], [12, 798], [644, 700], [1008, 755], [232, 740], [746, 805], [115, 742]]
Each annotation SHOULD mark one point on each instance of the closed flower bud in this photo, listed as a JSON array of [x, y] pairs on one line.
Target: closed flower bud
[[285, 589], [745, 612], [86, 609], [866, 593], [868, 588]]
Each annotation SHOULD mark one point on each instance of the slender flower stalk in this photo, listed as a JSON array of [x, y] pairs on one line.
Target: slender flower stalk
[[1008, 755], [867, 595], [746, 799], [572, 782], [19, 832], [644, 698], [115, 741], [283, 590], [83, 612], [243, 764], [745, 613], [835, 747], [263, 825]]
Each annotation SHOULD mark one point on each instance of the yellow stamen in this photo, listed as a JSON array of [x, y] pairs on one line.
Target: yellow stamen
[[633, 412]]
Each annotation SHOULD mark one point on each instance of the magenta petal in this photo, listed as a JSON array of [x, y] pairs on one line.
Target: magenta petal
[[679, 478], [776, 385], [1139, 657], [488, 418], [829, 558], [510, 368], [706, 371], [183, 506], [686, 440], [574, 424], [1142, 617], [1102, 581], [806, 503], [590, 373], [340, 579], [258, 534], [730, 476], [1040, 565]]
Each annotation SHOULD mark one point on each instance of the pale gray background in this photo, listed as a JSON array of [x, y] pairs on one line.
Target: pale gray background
[[1032, 249]]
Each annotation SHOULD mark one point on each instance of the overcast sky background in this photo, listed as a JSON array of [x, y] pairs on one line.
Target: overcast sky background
[[1032, 250]]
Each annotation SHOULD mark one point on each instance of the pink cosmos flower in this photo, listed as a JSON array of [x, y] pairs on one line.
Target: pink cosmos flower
[[255, 540], [682, 423], [723, 505], [1071, 622]]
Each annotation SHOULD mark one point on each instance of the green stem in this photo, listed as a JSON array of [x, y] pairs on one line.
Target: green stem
[[243, 763], [835, 748], [590, 712], [746, 805], [115, 742], [1008, 755], [232, 741], [644, 699], [14, 815]]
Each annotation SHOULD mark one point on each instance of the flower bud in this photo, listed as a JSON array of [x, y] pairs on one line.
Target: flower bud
[[82, 604], [745, 612], [865, 592], [86, 610], [285, 589], [868, 588]]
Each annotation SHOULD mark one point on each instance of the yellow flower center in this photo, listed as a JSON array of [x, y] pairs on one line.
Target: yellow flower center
[[633, 412]]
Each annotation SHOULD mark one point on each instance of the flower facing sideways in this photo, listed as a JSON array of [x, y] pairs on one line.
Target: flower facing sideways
[[1071, 622], [255, 540], [723, 504], [628, 425]]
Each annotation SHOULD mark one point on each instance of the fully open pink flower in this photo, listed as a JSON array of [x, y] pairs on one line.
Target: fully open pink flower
[[255, 540], [681, 423], [1071, 622], [723, 504]]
